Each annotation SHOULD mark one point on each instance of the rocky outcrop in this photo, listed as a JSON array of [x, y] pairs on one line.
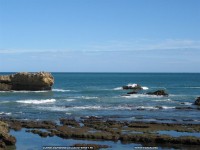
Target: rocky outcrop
[[158, 93], [132, 87], [5, 138], [197, 102], [27, 81]]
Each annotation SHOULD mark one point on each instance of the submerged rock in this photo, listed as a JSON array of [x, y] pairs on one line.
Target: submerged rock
[[26, 81], [133, 92], [197, 102], [158, 93]]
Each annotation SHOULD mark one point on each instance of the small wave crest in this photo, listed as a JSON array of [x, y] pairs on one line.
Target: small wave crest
[[36, 101], [60, 90], [145, 88], [140, 95], [118, 88], [89, 97], [69, 99], [5, 113], [163, 100]]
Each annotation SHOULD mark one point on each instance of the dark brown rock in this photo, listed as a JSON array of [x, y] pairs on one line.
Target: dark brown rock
[[131, 87], [197, 101], [133, 92], [158, 93], [6, 139]]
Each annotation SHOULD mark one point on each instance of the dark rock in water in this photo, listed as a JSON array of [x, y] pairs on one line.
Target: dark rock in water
[[5, 138], [158, 93], [184, 108], [132, 87], [197, 102], [133, 92], [126, 95], [159, 107], [26, 81]]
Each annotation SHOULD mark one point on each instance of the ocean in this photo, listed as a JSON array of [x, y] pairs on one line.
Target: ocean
[[78, 95]]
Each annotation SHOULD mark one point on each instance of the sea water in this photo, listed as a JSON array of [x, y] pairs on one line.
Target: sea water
[[100, 94]]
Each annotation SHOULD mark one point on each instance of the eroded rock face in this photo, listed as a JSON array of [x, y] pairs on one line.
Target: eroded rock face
[[197, 102], [27, 81]]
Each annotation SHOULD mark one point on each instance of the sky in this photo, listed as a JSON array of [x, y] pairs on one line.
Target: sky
[[100, 35]]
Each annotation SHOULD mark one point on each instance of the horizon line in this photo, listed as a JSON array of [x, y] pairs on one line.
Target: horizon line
[[91, 72]]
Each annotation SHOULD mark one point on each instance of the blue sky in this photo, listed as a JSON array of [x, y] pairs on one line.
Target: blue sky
[[100, 35]]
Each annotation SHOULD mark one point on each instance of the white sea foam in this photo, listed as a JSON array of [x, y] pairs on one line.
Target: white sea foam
[[132, 85], [168, 107], [4, 113], [88, 107], [187, 103], [69, 99], [43, 101], [53, 108], [147, 107], [145, 88], [141, 95], [89, 97], [118, 88], [60, 90], [163, 100], [68, 113]]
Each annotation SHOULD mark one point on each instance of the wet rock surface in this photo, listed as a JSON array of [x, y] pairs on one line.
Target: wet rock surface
[[132, 87], [197, 101], [5, 138], [97, 128], [26, 81], [158, 93]]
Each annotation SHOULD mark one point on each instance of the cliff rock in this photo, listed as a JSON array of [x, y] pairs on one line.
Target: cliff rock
[[26, 81]]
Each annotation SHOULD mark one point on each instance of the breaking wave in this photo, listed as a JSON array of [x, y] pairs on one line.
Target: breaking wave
[[60, 90], [36, 101]]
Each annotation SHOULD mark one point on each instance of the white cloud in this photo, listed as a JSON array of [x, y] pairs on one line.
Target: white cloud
[[145, 44], [117, 46]]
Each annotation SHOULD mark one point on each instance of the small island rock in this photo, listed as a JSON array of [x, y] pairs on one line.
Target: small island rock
[[26, 81], [132, 87], [158, 93]]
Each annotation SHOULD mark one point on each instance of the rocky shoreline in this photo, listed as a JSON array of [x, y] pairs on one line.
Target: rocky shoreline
[[95, 128]]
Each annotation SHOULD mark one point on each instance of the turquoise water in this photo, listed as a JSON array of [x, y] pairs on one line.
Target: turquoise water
[[85, 94]]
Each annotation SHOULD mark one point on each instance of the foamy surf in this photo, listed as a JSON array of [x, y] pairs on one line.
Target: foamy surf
[[69, 99], [140, 95], [89, 97], [163, 100], [36, 101], [4, 113], [118, 88], [60, 90], [145, 88], [23, 91]]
